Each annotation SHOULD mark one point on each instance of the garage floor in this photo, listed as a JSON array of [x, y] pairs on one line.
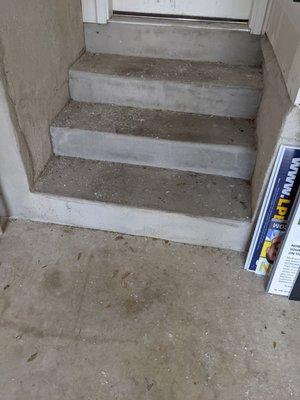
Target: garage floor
[[100, 316]]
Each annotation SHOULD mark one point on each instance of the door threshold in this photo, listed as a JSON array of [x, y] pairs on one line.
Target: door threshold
[[180, 17]]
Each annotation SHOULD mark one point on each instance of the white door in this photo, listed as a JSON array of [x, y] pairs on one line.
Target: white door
[[233, 9]]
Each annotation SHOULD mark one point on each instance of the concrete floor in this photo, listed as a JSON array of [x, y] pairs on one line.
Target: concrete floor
[[100, 316]]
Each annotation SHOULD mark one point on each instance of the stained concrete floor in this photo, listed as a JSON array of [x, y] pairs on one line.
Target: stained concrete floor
[[100, 316]]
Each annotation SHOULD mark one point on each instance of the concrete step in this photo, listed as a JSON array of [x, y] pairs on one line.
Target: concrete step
[[166, 139], [181, 206], [177, 85], [229, 43]]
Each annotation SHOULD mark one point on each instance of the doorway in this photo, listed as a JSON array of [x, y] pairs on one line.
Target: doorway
[[219, 9]]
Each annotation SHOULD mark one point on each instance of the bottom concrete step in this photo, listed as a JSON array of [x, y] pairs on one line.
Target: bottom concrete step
[[181, 206]]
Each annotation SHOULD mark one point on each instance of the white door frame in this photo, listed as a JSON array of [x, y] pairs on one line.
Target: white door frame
[[100, 11], [258, 16], [97, 11]]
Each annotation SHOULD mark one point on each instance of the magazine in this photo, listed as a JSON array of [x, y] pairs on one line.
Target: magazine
[[276, 208], [284, 273]]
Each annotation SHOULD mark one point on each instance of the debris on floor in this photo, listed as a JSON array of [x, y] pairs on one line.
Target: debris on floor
[[86, 316]]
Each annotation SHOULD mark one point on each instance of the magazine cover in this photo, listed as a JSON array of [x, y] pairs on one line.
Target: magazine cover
[[277, 205], [285, 271]]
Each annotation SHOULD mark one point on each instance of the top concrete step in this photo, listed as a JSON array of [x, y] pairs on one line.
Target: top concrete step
[[157, 69], [176, 85], [229, 43]]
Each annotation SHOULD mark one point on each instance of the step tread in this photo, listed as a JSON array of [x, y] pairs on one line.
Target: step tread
[[151, 188], [180, 71], [158, 124]]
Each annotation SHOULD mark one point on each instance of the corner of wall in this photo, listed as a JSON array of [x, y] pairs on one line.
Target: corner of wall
[[39, 42], [283, 30], [278, 122], [20, 139], [3, 210], [14, 182], [273, 108]]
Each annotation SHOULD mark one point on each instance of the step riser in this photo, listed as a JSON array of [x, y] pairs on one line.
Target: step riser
[[165, 95], [161, 225], [232, 161], [174, 41]]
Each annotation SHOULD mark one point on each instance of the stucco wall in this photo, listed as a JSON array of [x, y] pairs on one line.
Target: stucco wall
[[278, 122], [3, 211], [283, 30], [39, 40]]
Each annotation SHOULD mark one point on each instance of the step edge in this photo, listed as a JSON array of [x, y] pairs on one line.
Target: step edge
[[246, 149], [226, 221], [108, 155], [82, 214], [84, 75], [246, 218], [226, 173]]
